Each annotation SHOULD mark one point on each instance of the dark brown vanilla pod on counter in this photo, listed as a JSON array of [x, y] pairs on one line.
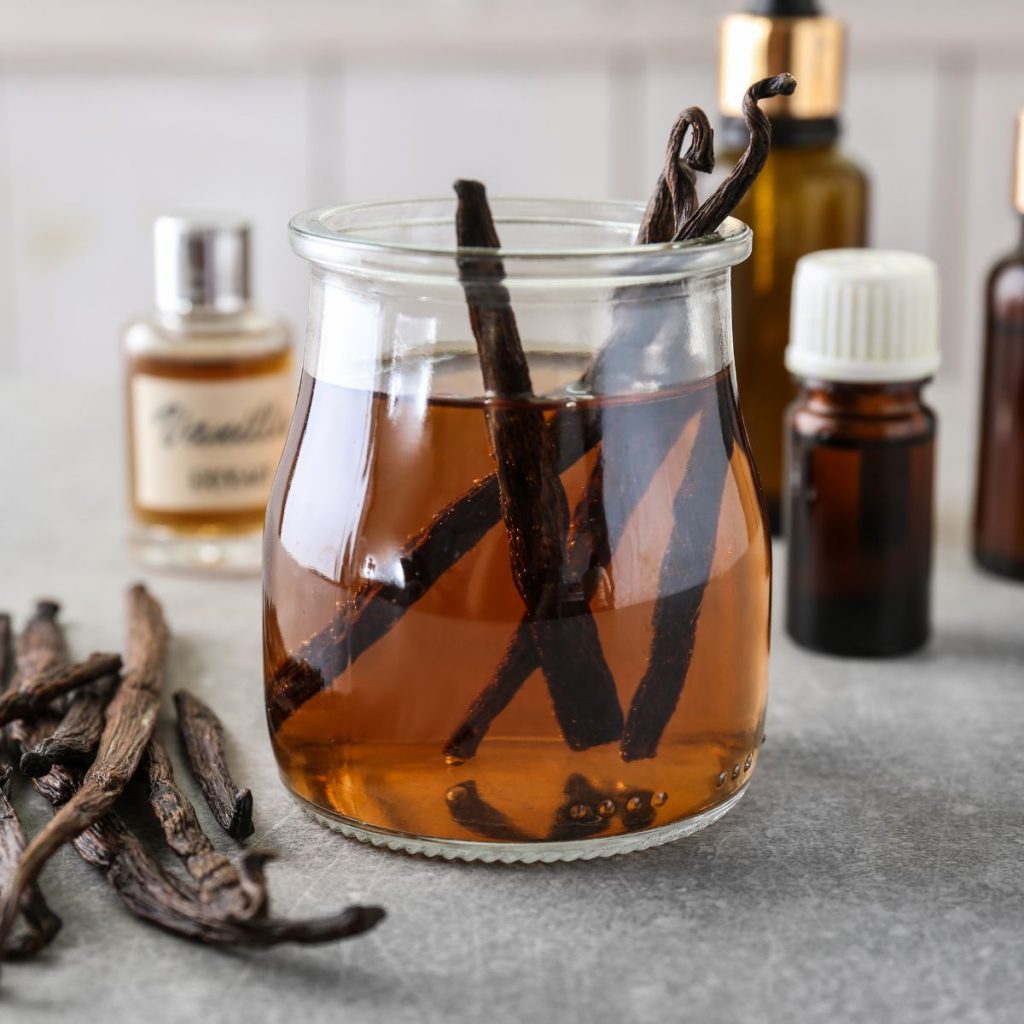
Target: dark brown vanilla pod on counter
[[238, 892], [39, 924], [76, 736], [130, 721], [36, 693], [202, 737], [199, 912], [534, 506], [683, 579]]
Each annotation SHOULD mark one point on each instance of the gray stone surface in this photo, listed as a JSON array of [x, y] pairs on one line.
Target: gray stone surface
[[875, 871]]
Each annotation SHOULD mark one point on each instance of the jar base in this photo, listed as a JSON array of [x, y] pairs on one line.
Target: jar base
[[521, 853], [236, 555]]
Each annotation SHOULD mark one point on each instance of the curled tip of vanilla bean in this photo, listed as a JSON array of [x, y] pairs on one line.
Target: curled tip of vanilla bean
[[727, 196], [675, 195]]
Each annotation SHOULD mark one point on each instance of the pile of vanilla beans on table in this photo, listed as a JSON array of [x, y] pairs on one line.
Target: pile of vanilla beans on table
[[82, 732]]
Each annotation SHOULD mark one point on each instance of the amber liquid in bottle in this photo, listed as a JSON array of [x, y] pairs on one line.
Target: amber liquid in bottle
[[214, 520], [859, 515], [807, 198], [999, 508], [362, 472]]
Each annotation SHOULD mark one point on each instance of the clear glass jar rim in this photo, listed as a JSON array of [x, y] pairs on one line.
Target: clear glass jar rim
[[342, 238]]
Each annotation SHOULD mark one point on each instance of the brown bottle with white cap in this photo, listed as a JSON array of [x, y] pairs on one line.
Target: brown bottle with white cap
[[209, 394], [860, 456], [999, 506]]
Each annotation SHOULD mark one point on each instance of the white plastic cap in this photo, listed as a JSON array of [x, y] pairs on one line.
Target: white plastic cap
[[864, 315]]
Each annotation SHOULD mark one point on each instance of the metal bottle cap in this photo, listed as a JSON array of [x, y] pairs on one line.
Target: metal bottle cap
[[779, 37], [201, 264]]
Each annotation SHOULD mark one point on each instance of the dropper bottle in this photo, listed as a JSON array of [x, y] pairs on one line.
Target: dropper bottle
[[808, 197]]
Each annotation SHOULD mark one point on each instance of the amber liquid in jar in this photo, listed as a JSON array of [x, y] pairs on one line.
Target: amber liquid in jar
[[363, 471]]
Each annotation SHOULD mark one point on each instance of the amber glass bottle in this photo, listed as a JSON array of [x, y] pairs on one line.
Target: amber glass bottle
[[999, 509], [861, 452], [209, 390], [808, 197]]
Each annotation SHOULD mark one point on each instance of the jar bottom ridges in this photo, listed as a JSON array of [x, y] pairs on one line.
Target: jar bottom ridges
[[523, 853]]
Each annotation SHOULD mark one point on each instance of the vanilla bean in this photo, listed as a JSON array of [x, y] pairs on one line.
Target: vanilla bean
[[39, 923], [727, 196], [520, 660], [238, 892], [203, 738], [675, 195], [29, 700], [75, 738], [684, 577], [154, 895], [533, 502], [131, 718], [41, 645]]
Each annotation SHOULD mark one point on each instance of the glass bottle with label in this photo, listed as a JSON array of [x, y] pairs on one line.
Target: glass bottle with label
[[808, 197], [209, 393]]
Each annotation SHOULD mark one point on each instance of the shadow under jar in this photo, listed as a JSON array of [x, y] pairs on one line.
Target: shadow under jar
[[413, 700]]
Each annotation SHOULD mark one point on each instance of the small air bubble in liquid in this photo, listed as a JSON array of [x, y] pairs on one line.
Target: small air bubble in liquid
[[578, 811], [454, 794], [749, 761], [659, 799], [606, 808], [736, 770], [720, 781], [633, 804]]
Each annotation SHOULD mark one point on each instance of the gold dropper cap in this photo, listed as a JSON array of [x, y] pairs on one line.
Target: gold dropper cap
[[1018, 173], [756, 46]]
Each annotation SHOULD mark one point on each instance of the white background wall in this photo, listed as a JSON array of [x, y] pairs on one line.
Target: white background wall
[[112, 111]]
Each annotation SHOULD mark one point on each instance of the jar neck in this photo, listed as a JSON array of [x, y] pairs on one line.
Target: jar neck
[[871, 401]]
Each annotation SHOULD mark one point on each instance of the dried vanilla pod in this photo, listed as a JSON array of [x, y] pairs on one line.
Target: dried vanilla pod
[[202, 737]]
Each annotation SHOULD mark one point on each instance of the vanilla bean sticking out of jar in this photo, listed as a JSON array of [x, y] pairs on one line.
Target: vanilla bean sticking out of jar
[[202, 737], [674, 198], [533, 502], [430, 553], [727, 196]]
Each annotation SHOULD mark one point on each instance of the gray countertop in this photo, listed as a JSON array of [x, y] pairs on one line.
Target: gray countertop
[[875, 871]]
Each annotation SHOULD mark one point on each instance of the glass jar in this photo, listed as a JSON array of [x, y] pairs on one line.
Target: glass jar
[[413, 702]]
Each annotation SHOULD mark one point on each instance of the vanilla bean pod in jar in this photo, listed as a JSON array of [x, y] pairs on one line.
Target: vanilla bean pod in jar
[[864, 344]]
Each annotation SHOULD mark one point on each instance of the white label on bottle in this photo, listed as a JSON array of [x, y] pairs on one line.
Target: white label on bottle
[[204, 445]]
